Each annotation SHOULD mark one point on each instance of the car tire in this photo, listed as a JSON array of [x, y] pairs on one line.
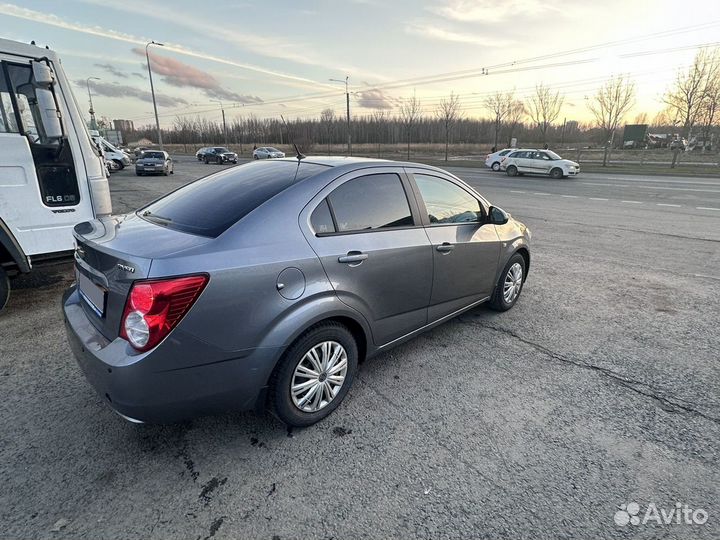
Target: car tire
[[255, 156], [235, 162], [495, 166], [120, 164], [207, 161], [512, 170], [513, 275], [219, 160], [292, 370], [556, 173], [4, 288]]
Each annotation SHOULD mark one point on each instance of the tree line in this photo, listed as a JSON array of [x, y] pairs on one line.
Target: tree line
[[690, 108]]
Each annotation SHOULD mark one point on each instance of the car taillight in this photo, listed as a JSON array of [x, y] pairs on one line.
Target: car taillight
[[154, 307]]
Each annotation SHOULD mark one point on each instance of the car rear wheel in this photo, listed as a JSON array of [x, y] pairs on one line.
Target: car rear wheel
[[495, 166], [556, 173], [4, 288], [255, 156], [508, 287], [314, 375], [512, 170], [207, 161]]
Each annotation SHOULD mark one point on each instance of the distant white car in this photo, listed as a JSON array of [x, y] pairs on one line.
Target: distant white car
[[546, 162], [267, 152], [493, 160]]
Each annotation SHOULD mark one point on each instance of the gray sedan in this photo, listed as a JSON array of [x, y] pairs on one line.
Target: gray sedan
[[154, 162], [263, 286]]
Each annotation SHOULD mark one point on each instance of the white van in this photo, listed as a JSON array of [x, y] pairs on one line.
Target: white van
[[110, 151], [51, 173]]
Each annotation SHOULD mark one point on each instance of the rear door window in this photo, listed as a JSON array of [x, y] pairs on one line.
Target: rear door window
[[372, 202], [209, 206]]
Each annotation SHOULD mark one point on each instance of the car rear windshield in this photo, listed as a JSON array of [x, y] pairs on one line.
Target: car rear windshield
[[210, 205]]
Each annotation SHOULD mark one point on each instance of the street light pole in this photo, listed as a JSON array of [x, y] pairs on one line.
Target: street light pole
[[223, 117], [152, 91], [93, 123], [347, 102]]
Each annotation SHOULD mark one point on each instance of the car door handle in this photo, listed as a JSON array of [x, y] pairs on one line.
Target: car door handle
[[445, 247], [353, 257]]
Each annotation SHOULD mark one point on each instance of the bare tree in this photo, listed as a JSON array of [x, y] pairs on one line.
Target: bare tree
[[709, 110], [410, 112], [685, 97], [499, 105], [641, 118], [379, 119], [327, 119], [515, 116], [609, 106], [449, 113], [544, 108]]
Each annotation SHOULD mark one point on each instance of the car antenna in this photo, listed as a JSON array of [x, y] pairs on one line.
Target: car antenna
[[298, 154]]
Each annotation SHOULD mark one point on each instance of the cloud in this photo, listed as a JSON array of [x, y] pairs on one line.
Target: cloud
[[124, 91], [440, 34], [113, 70], [182, 75], [12, 10], [138, 75], [374, 99], [490, 11]]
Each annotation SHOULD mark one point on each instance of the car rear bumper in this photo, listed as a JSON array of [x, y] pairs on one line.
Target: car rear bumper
[[165, 384]]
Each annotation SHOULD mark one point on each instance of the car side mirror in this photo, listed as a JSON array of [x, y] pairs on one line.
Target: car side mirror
[[497, 216]]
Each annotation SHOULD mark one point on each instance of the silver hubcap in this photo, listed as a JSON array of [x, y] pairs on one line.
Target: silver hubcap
[[513, 283], [319, 376]]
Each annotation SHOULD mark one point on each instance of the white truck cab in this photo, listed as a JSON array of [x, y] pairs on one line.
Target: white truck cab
[[51, 173]]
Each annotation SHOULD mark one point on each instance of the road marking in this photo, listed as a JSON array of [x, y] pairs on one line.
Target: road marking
[[570, 196], [599, 184], [706, 208], [631, 202], [517, 191], [673, 205], [540, 193], [597, 199]]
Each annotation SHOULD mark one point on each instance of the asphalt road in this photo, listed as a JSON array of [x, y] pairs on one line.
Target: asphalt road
[[600, 388]]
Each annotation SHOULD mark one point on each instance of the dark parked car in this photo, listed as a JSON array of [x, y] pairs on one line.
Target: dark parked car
[[301, 269], [154, 162], [219, 154]]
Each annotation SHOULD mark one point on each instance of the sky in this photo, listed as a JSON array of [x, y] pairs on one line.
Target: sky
[[277, 58]]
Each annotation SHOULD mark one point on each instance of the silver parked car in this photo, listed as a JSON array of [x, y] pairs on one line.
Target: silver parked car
[[267, 152], [301, 269], [154, 162]]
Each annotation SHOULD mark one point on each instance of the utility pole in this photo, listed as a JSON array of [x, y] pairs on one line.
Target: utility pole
[[152, 91], [222, 109], [93, 123], [347, 100]]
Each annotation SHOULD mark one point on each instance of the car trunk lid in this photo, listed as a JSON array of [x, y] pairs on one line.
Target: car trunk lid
[[111, 254]]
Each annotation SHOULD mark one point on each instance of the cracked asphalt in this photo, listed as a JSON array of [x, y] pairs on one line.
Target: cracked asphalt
[[599, 388]]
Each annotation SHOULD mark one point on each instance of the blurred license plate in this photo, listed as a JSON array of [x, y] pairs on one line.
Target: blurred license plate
[[92, 294]]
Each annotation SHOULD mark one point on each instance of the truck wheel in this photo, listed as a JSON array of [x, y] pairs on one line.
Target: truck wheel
[[4, 288]]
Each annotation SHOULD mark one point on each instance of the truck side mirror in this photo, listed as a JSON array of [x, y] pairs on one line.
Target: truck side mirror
[[43, 74], [49, 113]]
